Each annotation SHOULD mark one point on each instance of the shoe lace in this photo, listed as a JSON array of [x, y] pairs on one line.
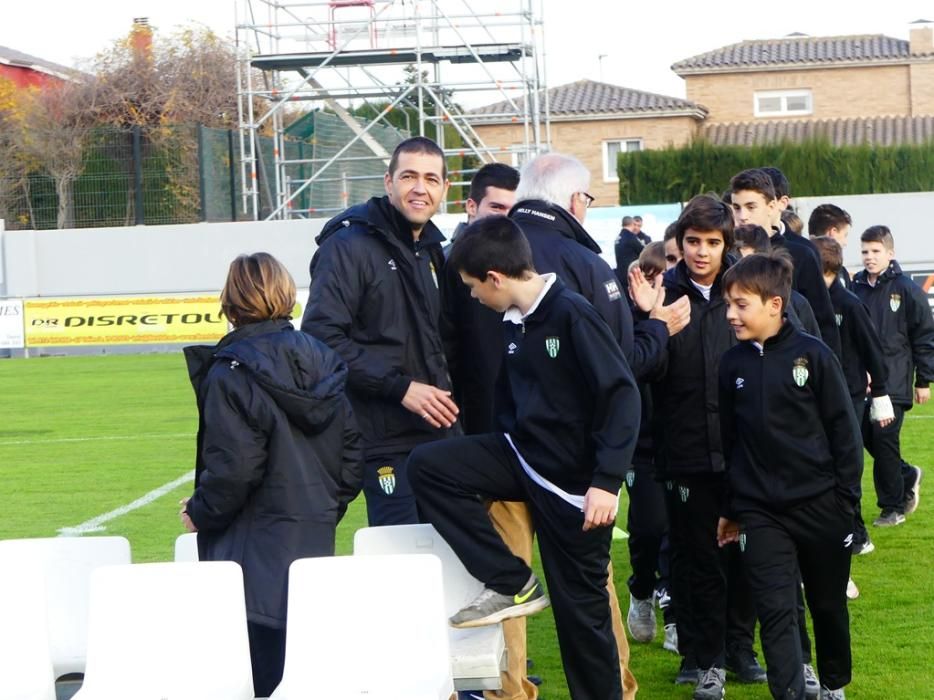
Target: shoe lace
[[643, 607], [711, 678], [809, 676]]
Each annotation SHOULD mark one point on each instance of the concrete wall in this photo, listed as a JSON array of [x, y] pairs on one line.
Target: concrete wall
[[195, 257]]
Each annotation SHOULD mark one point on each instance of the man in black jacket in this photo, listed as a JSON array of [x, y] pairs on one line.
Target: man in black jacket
[[628, 248], [755, 202], [374, 298], [900, 310]]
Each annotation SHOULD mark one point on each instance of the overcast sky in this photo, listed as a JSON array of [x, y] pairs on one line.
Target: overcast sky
[[639, 40]]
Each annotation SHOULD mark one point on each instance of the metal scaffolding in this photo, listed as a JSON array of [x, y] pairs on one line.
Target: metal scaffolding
[[434, 60]]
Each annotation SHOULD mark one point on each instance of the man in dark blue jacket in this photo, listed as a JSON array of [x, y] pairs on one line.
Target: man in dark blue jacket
[[374, 298]]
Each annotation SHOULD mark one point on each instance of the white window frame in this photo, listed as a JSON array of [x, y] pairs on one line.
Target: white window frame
[[783, 95], [607, 177]]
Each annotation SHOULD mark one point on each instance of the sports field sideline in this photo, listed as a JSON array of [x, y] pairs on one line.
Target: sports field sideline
[[106, 443]]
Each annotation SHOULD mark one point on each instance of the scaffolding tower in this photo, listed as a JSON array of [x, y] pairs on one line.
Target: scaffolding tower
[[434, 60]]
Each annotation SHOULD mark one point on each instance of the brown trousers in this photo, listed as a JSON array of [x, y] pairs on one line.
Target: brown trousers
[[513, 522]]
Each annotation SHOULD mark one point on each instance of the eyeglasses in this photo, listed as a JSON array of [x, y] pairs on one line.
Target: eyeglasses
[[588, 199]]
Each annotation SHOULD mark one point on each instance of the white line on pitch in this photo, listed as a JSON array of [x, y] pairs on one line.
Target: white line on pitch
[[94, 439], [97, 524]]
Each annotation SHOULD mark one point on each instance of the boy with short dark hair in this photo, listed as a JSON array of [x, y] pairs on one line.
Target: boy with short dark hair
[[900, 310], [756, 201], [689, 456], [831, 220], [753, 239], [793, 458], [862, 354], [567, 418]]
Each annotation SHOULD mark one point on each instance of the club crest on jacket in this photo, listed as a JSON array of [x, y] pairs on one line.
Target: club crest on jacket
[[387, 479], [552, 345], [895, 301], [800, 371]]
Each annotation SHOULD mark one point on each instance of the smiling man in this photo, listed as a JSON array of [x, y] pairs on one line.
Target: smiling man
[[374, 299]]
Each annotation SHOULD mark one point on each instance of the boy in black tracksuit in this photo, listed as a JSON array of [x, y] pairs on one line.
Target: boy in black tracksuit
[[793, 455], [901, 313], [689, 460], [567, 418], [862, 355]]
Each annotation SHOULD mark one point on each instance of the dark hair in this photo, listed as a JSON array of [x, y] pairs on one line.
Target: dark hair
[[831, 254], [752, 236], [756, 180], [671, 231], [727, 196], [637, 218], [825, 217], [779, 181], [652, 259], [706, 213], [792, 221], [499, 175], [418, 144], [766, 275], [492, 243], [879, 234], [627, 221], [258, 288]]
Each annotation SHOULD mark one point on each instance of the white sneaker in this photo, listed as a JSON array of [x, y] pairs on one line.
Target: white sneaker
[[671, 638], [852, 592]]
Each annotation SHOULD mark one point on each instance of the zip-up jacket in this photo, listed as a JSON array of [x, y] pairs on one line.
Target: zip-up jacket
[[560, 244], [900, 310], [375, 300], [566, 395], [789, 431], [808, 279], [686, 417], [862, 349], [278, 455]]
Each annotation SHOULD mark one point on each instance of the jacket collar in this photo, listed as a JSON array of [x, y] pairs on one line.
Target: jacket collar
[[785, 333], [890, 273], [513, 314], [541, 213], [679, 278], [381, 217]]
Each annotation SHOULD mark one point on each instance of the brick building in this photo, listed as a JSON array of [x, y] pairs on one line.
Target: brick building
[[847, 89]]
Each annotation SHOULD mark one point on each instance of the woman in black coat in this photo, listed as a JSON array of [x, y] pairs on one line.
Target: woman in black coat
[[278, 455]]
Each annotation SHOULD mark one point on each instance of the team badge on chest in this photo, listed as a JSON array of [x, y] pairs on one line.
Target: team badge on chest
[[895, 301], [800, 371], [552, 345]]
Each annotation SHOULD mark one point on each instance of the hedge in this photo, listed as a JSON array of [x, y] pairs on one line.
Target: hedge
[[813, 168]]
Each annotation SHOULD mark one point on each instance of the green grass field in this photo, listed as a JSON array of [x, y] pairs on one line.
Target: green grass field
[[83, 436]]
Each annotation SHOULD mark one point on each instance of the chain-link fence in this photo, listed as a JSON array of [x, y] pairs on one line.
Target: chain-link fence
[[186, 174]]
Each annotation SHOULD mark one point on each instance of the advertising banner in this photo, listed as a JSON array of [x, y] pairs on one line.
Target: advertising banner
[[123, 320], [11, 324]]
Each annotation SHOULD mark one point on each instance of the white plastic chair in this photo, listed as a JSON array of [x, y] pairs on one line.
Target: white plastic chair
[[67, 563], [370, 627], [186, 547], [477, 654], [173, 631], [25, 660]]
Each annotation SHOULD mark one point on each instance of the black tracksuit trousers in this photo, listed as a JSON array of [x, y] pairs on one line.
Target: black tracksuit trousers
[[713, 606], [814, 537], [889, 472], [452, 479], [647, 524]]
